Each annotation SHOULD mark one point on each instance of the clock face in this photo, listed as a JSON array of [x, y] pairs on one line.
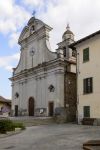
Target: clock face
[[32, 51]]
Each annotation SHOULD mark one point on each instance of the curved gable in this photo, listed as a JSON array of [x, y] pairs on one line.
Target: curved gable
[[24, 34]]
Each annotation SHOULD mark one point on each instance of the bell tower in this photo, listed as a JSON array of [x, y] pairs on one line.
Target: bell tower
[[68, 35], [67, 39]]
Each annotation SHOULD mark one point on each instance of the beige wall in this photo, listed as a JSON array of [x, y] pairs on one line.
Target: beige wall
[[89, 69]]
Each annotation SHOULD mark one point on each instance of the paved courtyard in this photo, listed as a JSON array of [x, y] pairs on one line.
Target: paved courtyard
[[51, 137]]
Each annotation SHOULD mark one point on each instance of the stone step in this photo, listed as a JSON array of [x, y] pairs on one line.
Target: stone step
[[33, 121]]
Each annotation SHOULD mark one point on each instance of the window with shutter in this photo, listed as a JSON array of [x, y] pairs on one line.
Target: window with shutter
[[86, 111], [88, 85], [85, 54]]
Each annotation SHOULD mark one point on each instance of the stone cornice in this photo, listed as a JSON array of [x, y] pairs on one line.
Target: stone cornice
[[44, 67]]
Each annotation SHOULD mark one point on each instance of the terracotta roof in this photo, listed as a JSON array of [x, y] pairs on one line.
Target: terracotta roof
[[2, 99], [84, 39]]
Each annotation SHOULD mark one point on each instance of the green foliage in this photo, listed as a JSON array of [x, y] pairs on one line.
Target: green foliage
[[8, 125], [18, 125]]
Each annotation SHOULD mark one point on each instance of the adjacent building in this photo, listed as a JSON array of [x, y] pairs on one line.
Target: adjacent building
[[44, 82], [88, 76], [5, 106]]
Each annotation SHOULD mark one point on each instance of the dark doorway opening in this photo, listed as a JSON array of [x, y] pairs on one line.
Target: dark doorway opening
[[31, 106], [51, 108], [16, 110]]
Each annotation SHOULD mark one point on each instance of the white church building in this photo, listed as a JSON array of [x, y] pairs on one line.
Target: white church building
[[44, 82]]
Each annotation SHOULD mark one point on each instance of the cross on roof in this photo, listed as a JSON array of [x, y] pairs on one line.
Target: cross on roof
[[33, 13], [68, 27]]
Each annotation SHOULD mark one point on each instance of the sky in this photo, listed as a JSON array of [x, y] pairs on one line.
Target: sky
[[83, 17]]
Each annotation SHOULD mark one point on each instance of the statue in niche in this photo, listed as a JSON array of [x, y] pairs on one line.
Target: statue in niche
[[51, 88]]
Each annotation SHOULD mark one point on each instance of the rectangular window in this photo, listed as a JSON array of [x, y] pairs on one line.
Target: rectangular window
[[86, 111], [88, 85], [85, 54]]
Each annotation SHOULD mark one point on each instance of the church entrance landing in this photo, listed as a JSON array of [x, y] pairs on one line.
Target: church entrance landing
[[31, 106]]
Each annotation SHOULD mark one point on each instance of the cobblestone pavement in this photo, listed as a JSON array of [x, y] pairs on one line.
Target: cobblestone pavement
[[51, 137]]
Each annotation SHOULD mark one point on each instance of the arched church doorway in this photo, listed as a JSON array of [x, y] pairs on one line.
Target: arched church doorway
[[31, 106]]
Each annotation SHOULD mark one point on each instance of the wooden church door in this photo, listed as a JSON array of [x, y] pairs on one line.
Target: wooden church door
[[31, 106]]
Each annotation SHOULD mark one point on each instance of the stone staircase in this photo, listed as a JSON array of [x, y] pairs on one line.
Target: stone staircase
[[33, 121]]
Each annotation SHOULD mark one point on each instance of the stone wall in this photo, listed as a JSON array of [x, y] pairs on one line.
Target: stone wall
[[70, 100]]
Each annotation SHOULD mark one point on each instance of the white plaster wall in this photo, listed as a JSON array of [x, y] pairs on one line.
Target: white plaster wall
[[15, 101], [31, 90], [37, 87], [42, 53], [41, 93]]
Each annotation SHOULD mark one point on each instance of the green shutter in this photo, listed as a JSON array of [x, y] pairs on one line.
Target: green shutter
[[87, 85], [86, 54], [90, 85], [84, 86], [86, 111]]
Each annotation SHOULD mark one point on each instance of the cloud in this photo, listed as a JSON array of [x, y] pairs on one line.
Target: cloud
[[83, 16], [34, 3], [8, 62], [12, 19], [14, 39]]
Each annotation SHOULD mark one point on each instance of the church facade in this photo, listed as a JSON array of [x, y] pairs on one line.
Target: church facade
[[44, 82]]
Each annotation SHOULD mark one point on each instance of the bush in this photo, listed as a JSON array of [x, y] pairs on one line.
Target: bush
[[8, 125]]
